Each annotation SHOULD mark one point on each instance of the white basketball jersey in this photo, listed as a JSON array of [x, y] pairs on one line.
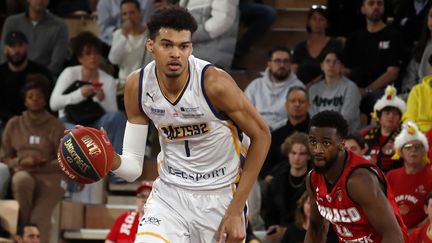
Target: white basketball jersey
[[200, 148]]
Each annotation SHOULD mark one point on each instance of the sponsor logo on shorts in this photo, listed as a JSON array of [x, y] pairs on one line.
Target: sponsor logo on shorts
[[197, 176], [150, 220]]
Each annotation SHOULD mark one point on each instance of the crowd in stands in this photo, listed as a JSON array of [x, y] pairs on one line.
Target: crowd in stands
[[356, 57]]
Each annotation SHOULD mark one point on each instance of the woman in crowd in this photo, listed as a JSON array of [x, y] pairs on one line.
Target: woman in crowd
[[29, 148], [309, 53]]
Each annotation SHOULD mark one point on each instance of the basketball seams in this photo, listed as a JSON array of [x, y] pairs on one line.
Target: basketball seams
[[67, 167], [104, 150], [85, 154]]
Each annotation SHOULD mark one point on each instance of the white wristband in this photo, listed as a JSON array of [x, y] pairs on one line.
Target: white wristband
[[132, 159]]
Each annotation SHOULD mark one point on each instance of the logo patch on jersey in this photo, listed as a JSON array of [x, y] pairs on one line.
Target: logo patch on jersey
[[421, 189], [156, 111], [179, 132], [335, 215], [192, 112]]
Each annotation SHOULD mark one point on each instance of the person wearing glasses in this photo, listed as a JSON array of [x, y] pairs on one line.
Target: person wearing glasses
[[336, 92], [267, 93], [412, 182], [308, 54]]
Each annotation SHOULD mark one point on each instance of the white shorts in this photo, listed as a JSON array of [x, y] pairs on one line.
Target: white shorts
[[176, 215]]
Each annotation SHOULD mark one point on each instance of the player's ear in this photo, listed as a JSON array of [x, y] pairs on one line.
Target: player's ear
[[150, 45]]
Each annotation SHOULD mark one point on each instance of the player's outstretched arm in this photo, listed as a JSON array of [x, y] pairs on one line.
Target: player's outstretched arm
[[226, 96], [365, 189], [318, 226], [129, 165]]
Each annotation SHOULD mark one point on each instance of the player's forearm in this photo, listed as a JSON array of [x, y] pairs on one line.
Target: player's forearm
[[393, 237], [252, 166]]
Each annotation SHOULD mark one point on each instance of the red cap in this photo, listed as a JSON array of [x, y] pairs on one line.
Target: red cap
[[144, 185]]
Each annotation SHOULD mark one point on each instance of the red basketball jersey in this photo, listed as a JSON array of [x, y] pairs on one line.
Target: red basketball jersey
[[410, 193], [347, 217]]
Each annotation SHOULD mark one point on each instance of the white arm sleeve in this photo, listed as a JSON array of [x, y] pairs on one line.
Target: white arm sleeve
[[132, 159]]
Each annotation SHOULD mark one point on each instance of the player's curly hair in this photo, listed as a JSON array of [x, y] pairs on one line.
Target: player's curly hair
[[330, 119], [172, 17]]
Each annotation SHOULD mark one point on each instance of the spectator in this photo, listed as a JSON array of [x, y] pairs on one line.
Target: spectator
[[411, 183], [216, 36], [4, 180], [418, 109], [357, 144], [373, 55], [13, 74], [409, 16], [419, 64], [256, 18], [296, 231], [125, 226], [268, 92], [28, 234], [87, 48], [422, 234], [297, 106], [47, 35], [128, 48], [336, 92], [109, 16], [380, 138], [29, 148], [287, 186], [309, 53]]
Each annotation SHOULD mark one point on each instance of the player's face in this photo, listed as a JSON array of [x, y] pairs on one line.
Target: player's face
[[16, 53], [90, 58], [35, 100], [31, 235], [279, 65], [352, 145], [317, 23], [298, 156], [331, 66], [171, 50], [130, 13], [325, 145], [297, 104], [413, 152], [373, 10]]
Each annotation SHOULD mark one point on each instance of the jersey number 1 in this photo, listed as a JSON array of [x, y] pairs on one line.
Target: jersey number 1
[[187, 148]]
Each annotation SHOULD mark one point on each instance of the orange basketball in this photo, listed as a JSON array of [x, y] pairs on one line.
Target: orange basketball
[[85, 155]]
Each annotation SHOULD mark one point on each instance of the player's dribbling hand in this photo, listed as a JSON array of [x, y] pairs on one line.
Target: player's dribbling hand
[[231, 229]]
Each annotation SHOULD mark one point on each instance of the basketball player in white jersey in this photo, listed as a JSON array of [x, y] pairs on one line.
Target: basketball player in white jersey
[[200, 114]]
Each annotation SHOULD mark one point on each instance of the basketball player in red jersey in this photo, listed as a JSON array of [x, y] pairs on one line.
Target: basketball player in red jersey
[[349, 191]]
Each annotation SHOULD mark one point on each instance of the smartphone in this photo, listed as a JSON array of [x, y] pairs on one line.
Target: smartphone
[[97, 85]]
